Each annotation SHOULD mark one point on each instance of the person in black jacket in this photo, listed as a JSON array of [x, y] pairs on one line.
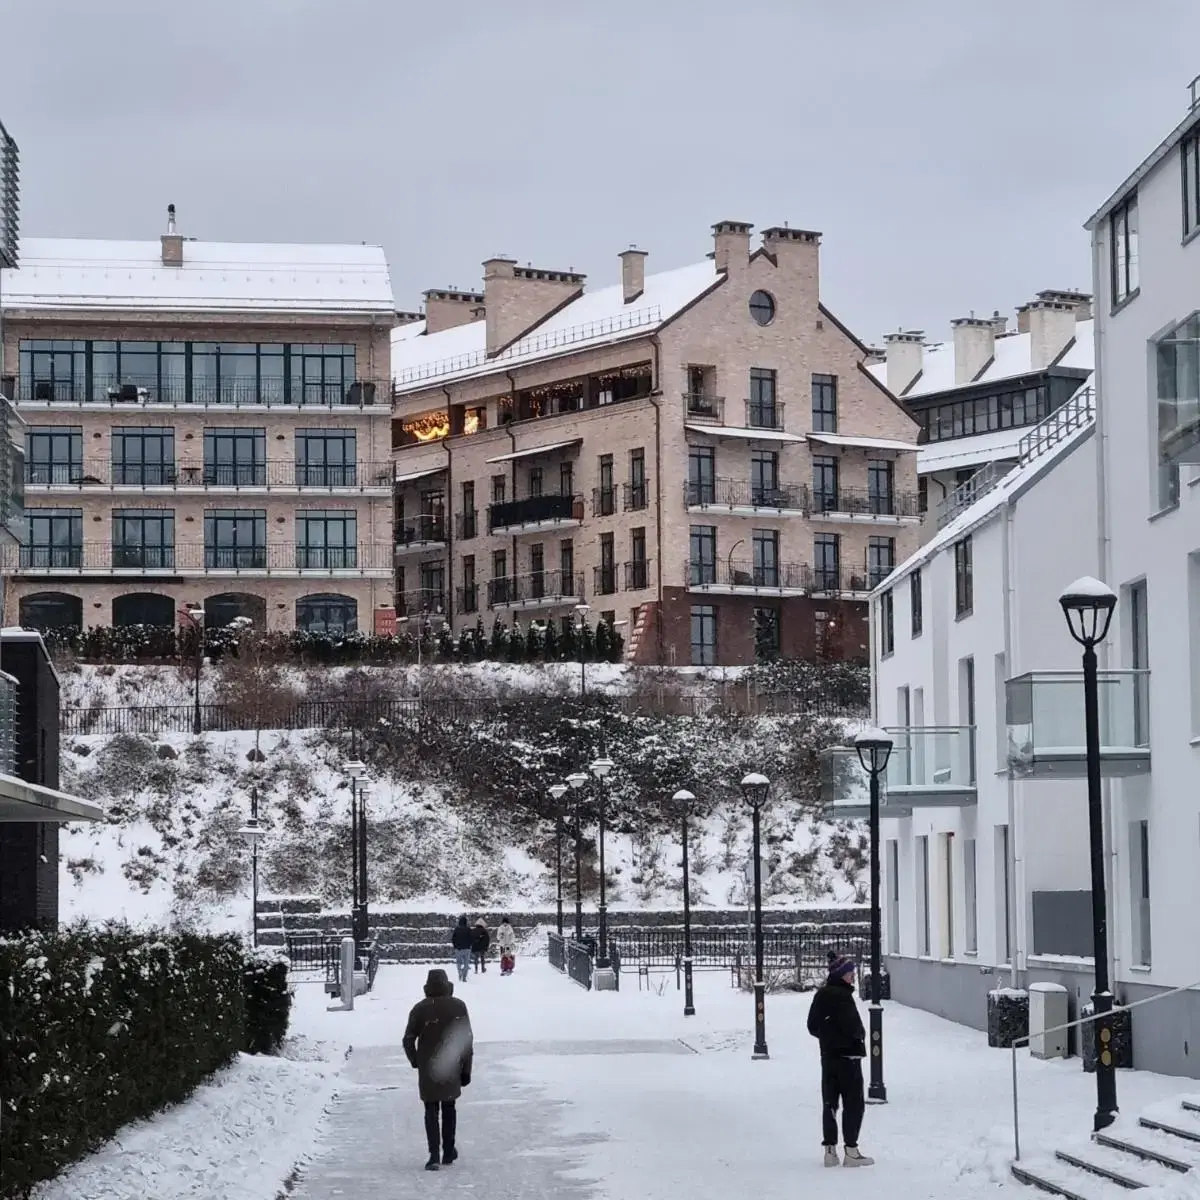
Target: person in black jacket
[[460, 940], [481, 939], [834, 1021]]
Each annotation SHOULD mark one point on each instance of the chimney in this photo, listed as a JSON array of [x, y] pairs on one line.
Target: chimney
[[633, 273], [974, 345], [875, 356], [1080, 302], [999, 324], [1051, 325], [446, 308], [407, 318], [517, 298], [794, 244], [172, 242], [731, 245], [905, 355]]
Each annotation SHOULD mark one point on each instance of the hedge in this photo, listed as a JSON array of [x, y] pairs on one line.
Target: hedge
[[101, 1027]]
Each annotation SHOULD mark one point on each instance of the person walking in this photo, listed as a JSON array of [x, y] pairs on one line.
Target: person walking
[[506, 939], [460, 940], [833, 1019], [481, 939], [439, 1045]]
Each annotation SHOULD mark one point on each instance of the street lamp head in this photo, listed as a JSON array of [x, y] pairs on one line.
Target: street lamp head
[[197, 614], [1088, 606], [683, 796], [874, 749], [583, 610], [354, 769], [755, 788], [365, 789], [558, 790], [601, 767], [577, 779], [251, 833]]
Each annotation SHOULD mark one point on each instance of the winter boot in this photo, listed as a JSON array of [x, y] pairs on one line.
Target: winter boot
[[449, 1156], [855, 1159], [433, 1164], [831, 1157]]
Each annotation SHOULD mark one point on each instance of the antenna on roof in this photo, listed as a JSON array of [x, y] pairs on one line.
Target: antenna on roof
[[170, 218]]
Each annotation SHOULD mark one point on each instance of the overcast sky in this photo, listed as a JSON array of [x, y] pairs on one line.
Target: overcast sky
[[949, 150]]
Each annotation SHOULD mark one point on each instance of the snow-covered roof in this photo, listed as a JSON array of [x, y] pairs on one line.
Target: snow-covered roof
[[78, 273], [955, 453], [593, 319], [860, 443]]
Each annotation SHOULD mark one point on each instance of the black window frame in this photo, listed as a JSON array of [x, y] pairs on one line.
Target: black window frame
[[827, 568], [54, 454], [235, 538], [762, 408], [1189, 169], [825, 468], [916, 603], [638, 492], [881, 559], [762, 307], [702, 554], [881, 502], [1123, 273], [130, 545], [62, 545], [824, 403], [314, 465], [964, 578], [703, 620], [764, 477], [764, 545], [887, 623], [236, 471], [147, 470], [327, 603], [702, 475], [326, 554]]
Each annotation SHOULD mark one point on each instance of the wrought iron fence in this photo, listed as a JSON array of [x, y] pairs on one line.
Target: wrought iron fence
[[807, 949], [313, 952], [579, 964], [556, 948]]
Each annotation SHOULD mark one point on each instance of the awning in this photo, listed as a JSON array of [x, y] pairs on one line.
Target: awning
[[860, 443], [419, 474], [21, 801], [955, 453], [536, 450], [754, 435]]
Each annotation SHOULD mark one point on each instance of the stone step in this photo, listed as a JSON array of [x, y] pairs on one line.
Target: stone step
[[1175, 1130], [1152, 1148], [1058, 1179], [1125, 1170]]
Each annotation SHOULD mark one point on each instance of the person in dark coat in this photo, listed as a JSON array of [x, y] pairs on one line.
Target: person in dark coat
[[834, 1021], [460, 940], [439, 1044], [481, 939]]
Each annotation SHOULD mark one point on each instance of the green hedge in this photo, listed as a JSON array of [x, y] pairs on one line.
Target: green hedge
[[100, 1027]]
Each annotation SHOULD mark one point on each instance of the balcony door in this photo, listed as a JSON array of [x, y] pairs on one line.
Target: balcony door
[[766, 558], [703, 554], [235, 538], [764, 478], [143, 538], [825, 483], [826, 562], [327, 540], [235, 457], [702, 472]]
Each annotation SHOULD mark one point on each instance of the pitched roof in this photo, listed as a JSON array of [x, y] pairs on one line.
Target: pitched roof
[[58, 273], [593, 319]]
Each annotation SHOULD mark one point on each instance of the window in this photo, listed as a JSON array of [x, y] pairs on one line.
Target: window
[[881, 559], [916, 602], [824, 404], [971, 897], [432, 580], [606, 572], [54, 454], [327, 540], [535, 481], [762, 307], [704, 635], [923, 947], [1123, 249], [566, 564], [825, 483], [55, 538], [827, 562], [235, 538], [1003, 893], [143, 537], [144, 457], [606, 495], [966, 708], [499, 489], [468, 601], [500, 587], [333, 614], [762, 411], [947, 895], [887, 627], [1139, 656], [637, 573], [892, 858], [468, 525], [636, 496], [767, 633], [765, 543], [326, 458], [964, 588], [880, 488], [235, 457], [1009, 409], [923, 493], [566, 479], [702, 472], [764, 479], [1189, 159], [703, 554], [1139, 889], [537, 570]]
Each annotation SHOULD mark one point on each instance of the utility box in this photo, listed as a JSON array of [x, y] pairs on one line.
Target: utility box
[[1047, 1010], [605, 979]]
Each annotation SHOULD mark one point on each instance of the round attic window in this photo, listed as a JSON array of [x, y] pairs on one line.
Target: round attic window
[[762, 307]]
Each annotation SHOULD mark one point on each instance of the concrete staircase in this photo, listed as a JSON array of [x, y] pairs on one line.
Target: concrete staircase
[[1157, 1150], [641, 637]]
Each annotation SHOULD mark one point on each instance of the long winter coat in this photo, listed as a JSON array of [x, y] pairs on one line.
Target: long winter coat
[[833, 1019], [481, 939], [438, 1041], [506, 939]]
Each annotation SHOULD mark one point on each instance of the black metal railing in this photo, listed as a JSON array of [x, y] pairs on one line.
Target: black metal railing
[[734, 573], [265, 391], [580, 964], [764, 414], [468, 598], [466, 524], [742, 493], [534, 510], [428, 527], [556, 949], [700, 407], [536, 587], [269, 474], [604, 501], [637, 496], [312, 952], [863, 502], [841, 579], [807, 948], [604, 580], [428, 601], [637, 575]]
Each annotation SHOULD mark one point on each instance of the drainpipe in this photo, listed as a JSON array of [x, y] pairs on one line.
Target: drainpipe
[[1017, 884], [656, 344], [448, 509]]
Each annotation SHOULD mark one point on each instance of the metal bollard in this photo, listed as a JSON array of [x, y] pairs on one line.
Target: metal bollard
[[348, 956]]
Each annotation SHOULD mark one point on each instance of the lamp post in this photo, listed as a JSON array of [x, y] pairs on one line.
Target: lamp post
[[558, 791], [581, 611], [874, 749], [755, 789], [684, 801], [251, 833], [601, 768], [197, 617], [360, 790], [577, 780], [1088, 607]]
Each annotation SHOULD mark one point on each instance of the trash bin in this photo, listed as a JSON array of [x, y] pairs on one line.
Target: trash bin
[[1047, 1010], [589, 943]]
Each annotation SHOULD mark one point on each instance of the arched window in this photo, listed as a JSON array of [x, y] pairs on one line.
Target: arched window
[[143, 608], [220, 610], [51, 610], [327, 614]]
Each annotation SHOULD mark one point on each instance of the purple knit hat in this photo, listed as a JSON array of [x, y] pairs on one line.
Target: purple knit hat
[[842, 966]]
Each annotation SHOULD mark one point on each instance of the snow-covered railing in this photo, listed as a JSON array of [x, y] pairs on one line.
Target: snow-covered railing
[[1079, 411], [967, 492]]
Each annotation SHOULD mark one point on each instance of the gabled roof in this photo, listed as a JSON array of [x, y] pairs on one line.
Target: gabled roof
[[596, 318], [77, 273]]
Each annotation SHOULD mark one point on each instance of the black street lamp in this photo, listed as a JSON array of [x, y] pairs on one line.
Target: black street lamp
[[577, 780], [251, 833], [196, 616], [874, 749], [755, 788], [1088, 606], [600, 768], [582, 611], [684, 801], [558, 791], [360, 791]]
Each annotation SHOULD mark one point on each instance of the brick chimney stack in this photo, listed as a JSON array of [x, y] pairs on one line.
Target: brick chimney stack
[[446, 308], [517, 298], [905, 351], [1051, 325], [172, 242], [731, 245], [974, 345], [633, 273]]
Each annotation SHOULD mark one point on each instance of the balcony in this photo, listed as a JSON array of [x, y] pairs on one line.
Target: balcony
[[604, 501], [267, 392], [274, 475], [839, 583], [538, 589], [535, 513], [733, 578], [846, 788], [467, 598], [743, 498], [932, 766], [422, 601], [196, 558], [764, 415], [604, 580], [466, 525], [860, 504], [637, 496], [421, 535], [1044, 714], [699, 407], [637, 575]]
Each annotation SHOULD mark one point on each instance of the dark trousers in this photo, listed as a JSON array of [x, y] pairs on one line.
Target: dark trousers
[[480, 959], [841, 1081], [440, 1140]]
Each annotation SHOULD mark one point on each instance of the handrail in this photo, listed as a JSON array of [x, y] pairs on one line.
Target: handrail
[[1024, 1041]]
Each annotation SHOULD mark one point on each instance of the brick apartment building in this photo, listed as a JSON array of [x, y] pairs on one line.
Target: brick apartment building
[[700, 454], [207, 425]]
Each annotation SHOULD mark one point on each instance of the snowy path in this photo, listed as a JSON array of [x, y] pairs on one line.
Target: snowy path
[[612, 1096]]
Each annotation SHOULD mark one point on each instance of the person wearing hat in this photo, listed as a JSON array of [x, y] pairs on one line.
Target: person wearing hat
[[834, 1021], [439, 1044]]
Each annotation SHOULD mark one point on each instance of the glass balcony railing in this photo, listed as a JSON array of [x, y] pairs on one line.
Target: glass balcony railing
[[932, 765], [1045, 719], [846, 788], [8, 724]]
